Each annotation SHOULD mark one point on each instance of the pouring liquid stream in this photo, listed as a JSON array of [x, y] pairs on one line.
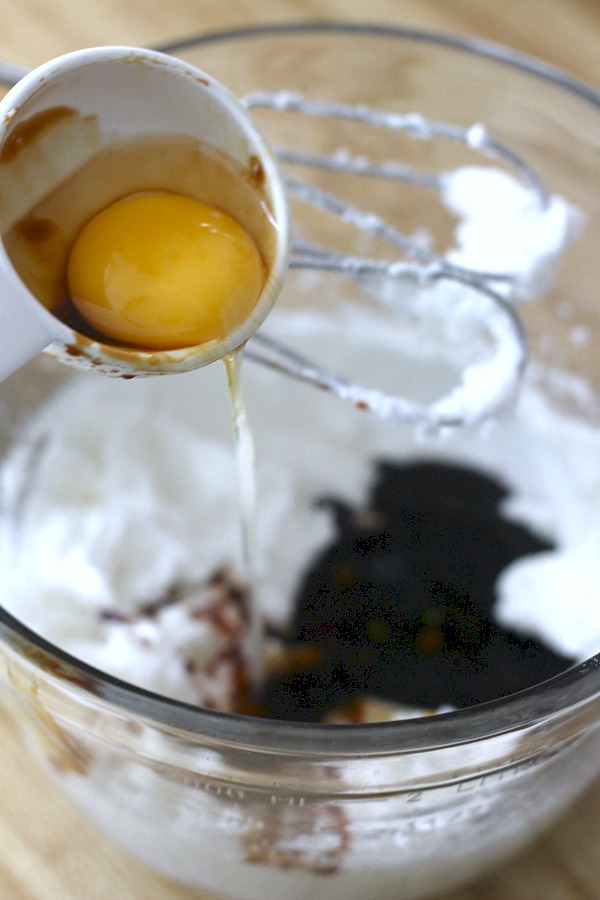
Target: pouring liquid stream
[[247, 493]]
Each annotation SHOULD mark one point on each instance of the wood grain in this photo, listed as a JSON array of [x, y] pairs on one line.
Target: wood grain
[[47, 851]]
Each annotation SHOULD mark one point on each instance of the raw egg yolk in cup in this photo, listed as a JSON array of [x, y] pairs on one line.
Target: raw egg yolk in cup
[[163, 271]]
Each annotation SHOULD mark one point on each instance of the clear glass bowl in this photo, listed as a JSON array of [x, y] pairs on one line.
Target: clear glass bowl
[[254, 808]]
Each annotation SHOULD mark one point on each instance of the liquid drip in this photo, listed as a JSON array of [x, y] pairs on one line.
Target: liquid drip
[[246, 472]]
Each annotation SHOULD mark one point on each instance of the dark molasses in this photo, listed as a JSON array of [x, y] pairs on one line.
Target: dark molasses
[[400, 605]]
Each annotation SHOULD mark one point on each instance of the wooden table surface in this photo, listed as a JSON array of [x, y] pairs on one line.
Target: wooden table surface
[[47, 851]]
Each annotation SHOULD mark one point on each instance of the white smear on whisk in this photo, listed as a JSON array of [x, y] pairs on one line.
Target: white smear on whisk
[[489, 384], [477, 136], [505, 227]]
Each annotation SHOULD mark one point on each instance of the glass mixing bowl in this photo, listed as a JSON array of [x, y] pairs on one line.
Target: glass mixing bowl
[[256, 808]]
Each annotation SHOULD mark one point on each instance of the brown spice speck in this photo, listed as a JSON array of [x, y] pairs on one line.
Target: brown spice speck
[[255, 171], [37, 231]]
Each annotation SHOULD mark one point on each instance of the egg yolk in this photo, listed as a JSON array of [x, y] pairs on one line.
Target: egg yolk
[[164, 271]]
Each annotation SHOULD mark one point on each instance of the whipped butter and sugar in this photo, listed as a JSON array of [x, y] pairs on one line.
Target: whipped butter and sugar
[[120, 513], [504, 226]]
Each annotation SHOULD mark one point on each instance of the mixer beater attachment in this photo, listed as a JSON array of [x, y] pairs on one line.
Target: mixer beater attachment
[[485, 295]]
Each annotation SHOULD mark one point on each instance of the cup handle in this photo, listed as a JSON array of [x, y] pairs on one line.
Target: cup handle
[[26, 327]]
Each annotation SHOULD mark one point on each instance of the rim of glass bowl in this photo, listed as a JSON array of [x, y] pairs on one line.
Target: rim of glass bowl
[[576, 687]]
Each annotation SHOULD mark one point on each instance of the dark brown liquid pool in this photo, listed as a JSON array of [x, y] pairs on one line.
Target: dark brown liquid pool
[[400, 605]]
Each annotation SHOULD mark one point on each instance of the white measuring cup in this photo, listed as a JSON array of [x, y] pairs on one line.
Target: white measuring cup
[[114, 93]]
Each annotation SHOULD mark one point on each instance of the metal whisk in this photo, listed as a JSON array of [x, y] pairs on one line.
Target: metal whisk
[[412, 263]]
